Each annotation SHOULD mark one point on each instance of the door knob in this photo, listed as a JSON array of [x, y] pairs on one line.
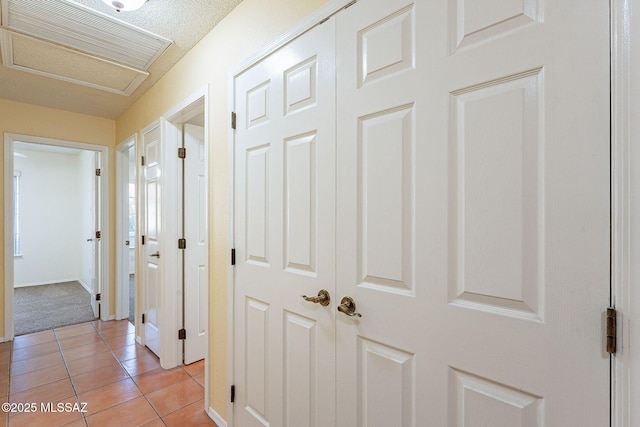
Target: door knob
[[348, 307], [323, 298], [157, 255]]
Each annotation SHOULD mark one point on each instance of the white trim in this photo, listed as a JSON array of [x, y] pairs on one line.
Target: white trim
[[104, 277], [329, 9], [84, 285], [172, 120], [54, 282], [220, 422], [232, 243], [122, 213], [625, 214], [8, 243]]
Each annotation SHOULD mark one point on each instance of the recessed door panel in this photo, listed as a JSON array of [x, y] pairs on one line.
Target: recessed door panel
[[498, 187], [257, 201], [300, 371], [385, 209], [386, 392], [300, 204]]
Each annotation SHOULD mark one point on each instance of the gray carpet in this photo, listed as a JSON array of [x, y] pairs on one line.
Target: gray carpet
[[38, 308]]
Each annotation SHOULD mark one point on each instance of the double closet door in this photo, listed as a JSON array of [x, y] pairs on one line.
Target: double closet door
[[441, 171]]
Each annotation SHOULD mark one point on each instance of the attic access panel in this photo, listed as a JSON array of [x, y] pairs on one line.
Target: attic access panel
[[81, 28]]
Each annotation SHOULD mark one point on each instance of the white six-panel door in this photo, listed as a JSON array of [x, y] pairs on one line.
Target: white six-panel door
[[471, 214], [285, 236], [151, 230]]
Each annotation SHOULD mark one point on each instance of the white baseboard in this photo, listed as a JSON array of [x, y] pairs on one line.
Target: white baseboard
[[50, 282], [216, 418], [2, 339], [84, 285]]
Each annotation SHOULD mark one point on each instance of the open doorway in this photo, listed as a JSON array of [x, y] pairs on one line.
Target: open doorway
[[126, 207], [174, 288], [54, 210]]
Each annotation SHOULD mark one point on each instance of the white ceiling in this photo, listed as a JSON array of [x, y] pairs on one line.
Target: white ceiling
[[184, 22]]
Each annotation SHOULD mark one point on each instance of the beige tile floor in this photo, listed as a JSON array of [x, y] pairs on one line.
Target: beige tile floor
[[98, 364]]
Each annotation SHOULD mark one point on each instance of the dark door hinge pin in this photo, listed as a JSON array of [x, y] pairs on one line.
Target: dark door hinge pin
[[611, 330]]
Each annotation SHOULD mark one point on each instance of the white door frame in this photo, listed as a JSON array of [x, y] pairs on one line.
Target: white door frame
[[626, 365], [122, 219], [625, 210], [104, 279], [171, 274]]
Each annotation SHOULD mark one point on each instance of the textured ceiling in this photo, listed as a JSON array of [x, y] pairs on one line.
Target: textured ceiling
[[183, 21]]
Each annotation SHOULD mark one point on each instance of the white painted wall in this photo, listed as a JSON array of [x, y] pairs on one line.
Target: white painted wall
[[50, 218]]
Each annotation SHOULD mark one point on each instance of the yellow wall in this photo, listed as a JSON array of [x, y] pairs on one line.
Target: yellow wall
[[26, 119], [248, 28]]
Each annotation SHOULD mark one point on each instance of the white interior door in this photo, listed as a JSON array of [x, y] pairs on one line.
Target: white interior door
[[196, 271], [152, 227], [94, 241], [473, 213], [285, 235]]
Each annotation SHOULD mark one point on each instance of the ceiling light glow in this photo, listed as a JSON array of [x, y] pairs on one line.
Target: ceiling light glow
[[125, 5]]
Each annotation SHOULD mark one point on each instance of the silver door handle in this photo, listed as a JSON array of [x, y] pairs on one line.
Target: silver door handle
[[89, 240], [157, 255]]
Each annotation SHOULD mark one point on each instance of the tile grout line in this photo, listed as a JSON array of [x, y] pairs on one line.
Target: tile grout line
[[160, 417], [130, 377], [66, 366]]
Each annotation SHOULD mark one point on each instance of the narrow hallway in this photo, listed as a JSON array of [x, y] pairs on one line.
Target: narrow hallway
[[96, 367]]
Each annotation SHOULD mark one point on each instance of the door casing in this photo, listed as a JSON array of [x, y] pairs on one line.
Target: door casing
[[105, 270], [122, 218], [625, 211], [172, 275]]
